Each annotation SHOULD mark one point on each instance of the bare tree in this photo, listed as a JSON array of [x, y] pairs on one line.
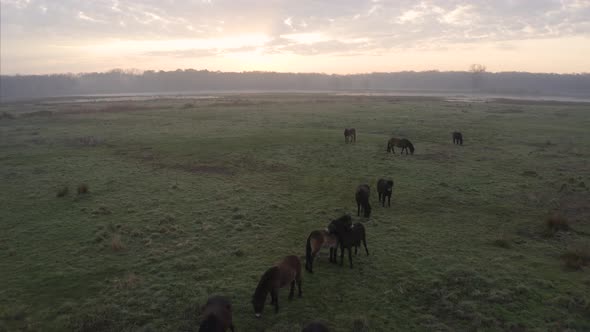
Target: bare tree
[[477, 72]]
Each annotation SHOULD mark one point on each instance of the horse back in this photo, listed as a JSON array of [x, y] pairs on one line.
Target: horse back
[[289, 270]]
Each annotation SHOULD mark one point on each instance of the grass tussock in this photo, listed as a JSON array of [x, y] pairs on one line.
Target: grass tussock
[[131, 280], [576, 257], [117, 243], [502, 243], [62, 192], [83, 189]]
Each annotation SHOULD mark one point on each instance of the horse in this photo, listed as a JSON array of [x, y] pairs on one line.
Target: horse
[[342, 224], [457, 138], [385, 188], [316, 241], [362, 200], [287, 271], [315, 327], [348, 238], [349, 135], [403, 143], [217, 315]]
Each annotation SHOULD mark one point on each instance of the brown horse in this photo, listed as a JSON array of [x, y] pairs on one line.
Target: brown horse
[[457, 138], [316, 241], [315, 327], [217, 316], [349, 135], [362, 200], [403, 143], [287, 271]]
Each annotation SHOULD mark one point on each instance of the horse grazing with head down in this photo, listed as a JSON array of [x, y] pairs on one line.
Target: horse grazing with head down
[[403, 143], [317, 240], [286, 272], [217, 315], [457, 138], [349, 135], [385, 189], [362, 200]]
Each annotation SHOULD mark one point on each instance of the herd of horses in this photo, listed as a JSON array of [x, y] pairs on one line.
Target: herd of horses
[[340, 233]]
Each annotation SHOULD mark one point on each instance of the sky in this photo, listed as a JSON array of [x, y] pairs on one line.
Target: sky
[[339, 36]]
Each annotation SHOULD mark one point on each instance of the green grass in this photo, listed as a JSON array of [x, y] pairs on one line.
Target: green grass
[[187, 202]]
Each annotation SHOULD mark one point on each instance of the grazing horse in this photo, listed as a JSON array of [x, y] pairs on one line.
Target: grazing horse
[[348, 238], [457, 138], [362, 200], [403, 143], [315, 327], [385, 188], [349, 135], [316, 241], [217, 316], [287, 271]]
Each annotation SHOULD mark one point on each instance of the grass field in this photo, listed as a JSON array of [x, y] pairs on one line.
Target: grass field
[[188, 199]]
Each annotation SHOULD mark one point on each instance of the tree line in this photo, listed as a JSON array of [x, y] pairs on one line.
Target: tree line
[[190, 80]]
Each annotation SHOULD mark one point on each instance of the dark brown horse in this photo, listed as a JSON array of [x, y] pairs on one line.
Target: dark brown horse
[[349, 135], [348, 238], [385, 189], [217, 315], [287, 271], [315, 327], [457, 138], [362, 200], [316, 241], [403, 143]]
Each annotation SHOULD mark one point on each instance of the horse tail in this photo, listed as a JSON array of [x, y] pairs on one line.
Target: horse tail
[[411, 146], [389, 146], [308, 257]]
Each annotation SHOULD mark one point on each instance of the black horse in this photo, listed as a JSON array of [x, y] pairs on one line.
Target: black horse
[[385, 189], [403, 143], [349, 237], [349, 135], [457, 138], [217, 315], [362, 200]]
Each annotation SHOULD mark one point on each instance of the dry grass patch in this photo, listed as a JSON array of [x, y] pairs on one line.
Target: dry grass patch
[[117, 243]]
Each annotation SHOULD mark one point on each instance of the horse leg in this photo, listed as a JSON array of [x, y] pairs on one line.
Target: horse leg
[[231, 327], [292, 290], [275, 295], [358, 209], [365, 244], [341, 255], [350, 256], [299, 287]]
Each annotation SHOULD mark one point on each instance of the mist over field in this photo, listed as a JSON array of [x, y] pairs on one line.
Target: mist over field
[[195, 81]]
